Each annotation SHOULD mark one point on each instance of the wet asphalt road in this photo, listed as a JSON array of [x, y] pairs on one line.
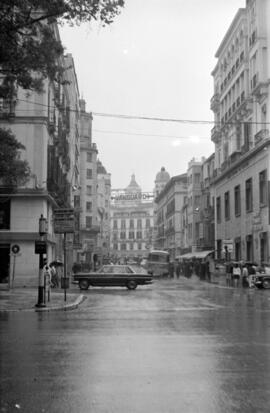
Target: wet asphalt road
[[174, 346]]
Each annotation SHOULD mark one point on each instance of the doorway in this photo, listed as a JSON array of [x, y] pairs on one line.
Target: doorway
[[5, 263]]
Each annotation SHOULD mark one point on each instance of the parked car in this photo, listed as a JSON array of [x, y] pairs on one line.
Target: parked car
[[262, 281], [113, 276]]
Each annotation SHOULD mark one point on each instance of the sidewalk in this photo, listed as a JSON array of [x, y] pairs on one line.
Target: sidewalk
[[25, 299]]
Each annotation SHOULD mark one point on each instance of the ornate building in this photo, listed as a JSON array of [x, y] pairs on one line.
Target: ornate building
[[131, 222], [241, 106]]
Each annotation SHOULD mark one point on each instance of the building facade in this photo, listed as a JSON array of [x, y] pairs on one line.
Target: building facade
[[104, 205], [89, 225], [132, 223], [46, 124], [169, 204], [241, 136]]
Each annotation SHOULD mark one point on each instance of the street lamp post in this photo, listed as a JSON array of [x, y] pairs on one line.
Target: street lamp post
[[43, 228]]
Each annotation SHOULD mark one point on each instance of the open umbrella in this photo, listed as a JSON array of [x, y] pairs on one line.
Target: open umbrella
[[57, 263]]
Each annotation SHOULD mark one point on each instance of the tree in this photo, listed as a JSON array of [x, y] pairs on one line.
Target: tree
[[13, 171], [29, 49]]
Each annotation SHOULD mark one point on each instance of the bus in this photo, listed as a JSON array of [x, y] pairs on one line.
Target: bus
[[158, 262]]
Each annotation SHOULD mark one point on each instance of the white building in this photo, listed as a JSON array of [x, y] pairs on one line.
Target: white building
[[132, 222], [46, 124], [241, 135]]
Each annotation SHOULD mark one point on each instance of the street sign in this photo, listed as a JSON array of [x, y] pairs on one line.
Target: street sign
[[40, 247], [229, 244], [15, 249], [64, 221]]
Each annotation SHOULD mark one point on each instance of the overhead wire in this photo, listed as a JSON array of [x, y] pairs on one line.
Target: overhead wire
[[153, 118]]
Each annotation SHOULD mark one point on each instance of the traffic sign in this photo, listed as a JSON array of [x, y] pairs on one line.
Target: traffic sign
[[40, 247], [15, 249]]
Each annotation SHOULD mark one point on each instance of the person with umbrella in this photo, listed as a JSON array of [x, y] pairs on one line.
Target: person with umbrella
[[55, 277]]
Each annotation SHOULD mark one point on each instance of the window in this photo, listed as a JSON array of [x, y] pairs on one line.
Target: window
[[139, 223], [123, 247], [197, 178], [131, 235], [89, 157], [247, 136], [237, 248], [115, 236], [249, 200], [115, 224], [123, 234], [89, 190], [5, 214], [139, 246], [197, 199], [76, 201], [89, 173], [139, 234], [131, 246], [123, 224], [88, 222], [237, 201], [115, 247], [131, 223], [249, 247], [227, 205], [88, 206], [147, 224], [218, 206], [263, 187]]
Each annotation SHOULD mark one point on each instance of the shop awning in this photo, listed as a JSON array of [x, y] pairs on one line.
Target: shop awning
[[197, 254]]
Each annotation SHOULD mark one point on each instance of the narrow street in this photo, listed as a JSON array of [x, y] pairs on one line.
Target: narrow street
[[174, 346]]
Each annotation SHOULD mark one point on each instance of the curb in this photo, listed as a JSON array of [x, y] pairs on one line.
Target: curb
[[65, 307]]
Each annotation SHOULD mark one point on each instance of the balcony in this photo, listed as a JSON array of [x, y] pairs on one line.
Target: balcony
[[261, 135], [215, 134], [215, 102]]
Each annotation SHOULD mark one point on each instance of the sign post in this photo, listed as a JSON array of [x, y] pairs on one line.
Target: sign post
[[15, 249], [41, 248], [64, 222]]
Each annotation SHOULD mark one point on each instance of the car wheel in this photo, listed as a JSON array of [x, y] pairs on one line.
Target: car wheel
[[266, 283], [83, 284], [131, 285]]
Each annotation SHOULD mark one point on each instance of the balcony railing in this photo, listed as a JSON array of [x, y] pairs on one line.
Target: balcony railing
[[261, 135]]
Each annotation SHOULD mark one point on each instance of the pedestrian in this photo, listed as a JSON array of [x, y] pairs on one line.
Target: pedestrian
[[171, 269], [207, 271], [228, 274], [212, 269], [236, 275], [251, 275], [245, 282], [47, 274], [177, 269], [54, 277]]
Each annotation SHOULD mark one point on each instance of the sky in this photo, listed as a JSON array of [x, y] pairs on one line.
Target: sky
[[154, 61]]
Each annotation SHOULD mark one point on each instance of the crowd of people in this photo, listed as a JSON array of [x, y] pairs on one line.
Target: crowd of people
[[201, 268], [238, 274]]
